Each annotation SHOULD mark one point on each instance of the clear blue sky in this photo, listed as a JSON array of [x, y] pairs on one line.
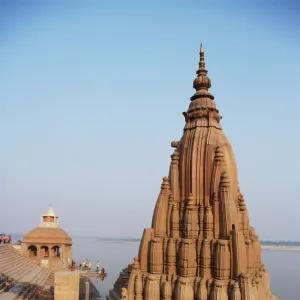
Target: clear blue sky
[[91, 95]]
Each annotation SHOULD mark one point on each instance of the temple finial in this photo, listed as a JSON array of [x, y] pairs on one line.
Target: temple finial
[[201, 48], [202, 70], [202, 83]]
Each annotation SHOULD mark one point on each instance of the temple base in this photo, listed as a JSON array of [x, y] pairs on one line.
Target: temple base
[[164, 287]]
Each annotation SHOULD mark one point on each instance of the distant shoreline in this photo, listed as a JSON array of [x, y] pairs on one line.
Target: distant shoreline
[[263, 247], [280, 248], [122, 242]]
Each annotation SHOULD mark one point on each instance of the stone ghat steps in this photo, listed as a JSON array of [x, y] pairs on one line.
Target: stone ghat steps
[[31, 293], [50, 280], [23, 270], [19, 291]]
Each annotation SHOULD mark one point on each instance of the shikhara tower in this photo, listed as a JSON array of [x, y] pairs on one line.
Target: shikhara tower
[[201, 245]]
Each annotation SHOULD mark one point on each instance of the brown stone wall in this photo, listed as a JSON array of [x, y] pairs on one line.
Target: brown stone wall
[[66, 286]]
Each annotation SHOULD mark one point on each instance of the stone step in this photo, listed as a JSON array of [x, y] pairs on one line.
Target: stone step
[[31, 275], [8, 296], [22, 269]]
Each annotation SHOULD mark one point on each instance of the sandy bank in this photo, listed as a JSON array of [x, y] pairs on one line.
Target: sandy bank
[[280, 248]]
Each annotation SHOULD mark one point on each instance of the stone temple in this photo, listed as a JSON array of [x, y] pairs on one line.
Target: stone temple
[[201, 245]]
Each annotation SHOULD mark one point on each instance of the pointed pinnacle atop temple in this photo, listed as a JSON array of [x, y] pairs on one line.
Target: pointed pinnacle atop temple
[[202, 83], [200, 245], [202, 70], [202, 108]]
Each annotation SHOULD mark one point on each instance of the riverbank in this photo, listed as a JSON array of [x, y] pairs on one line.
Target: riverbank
[[280, 248], [263, 247]]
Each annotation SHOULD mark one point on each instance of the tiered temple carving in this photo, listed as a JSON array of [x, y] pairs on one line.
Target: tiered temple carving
[[201, 245]]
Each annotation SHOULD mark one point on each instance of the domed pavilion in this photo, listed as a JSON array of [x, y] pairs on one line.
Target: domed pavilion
[[48, 244], [200, 245]]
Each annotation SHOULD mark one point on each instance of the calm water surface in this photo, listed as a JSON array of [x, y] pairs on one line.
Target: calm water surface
[[283, 266]]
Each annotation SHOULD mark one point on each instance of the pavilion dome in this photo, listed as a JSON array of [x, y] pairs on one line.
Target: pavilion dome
[[47, 235]]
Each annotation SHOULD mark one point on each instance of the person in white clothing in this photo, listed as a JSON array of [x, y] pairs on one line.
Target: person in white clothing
[[83, 264]]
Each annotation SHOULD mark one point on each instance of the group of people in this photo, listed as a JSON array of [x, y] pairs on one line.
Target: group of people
[[87, 264], [5, 239]]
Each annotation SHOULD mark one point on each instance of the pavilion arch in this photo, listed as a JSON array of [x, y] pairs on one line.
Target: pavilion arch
[[44, 251], [55, 251], [32, 250]]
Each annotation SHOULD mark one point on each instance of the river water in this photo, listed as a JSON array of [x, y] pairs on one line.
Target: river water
[[283, 266]]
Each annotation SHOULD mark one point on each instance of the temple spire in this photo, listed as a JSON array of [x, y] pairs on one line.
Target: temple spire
[[202, 83], [202, 71], [196, 249]]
